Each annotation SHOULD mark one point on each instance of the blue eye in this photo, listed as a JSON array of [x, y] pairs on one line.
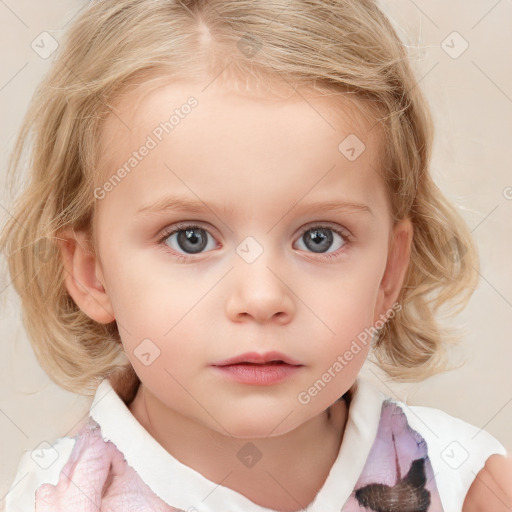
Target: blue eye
[[190, 239], [319, 239], [187, 240]]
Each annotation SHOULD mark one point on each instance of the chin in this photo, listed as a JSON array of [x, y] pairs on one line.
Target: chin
[[259, 428]]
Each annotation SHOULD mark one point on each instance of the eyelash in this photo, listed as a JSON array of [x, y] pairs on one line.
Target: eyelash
[[183, 257]]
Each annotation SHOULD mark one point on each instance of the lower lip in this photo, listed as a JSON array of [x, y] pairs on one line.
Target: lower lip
[[258, 374]]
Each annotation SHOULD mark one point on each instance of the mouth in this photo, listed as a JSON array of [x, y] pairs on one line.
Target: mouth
[[265, 372], [256, 359], [268, 363]]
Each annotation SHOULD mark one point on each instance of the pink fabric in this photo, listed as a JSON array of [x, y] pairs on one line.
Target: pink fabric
[[397, 476], [96, 478]]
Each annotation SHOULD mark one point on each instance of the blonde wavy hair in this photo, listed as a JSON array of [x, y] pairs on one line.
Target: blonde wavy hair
[[347, 47]]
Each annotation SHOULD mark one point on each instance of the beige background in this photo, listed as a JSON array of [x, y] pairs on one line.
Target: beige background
[[471, 97]]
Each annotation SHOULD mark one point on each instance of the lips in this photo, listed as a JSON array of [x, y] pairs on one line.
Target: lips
[[255, 358], [254, 369]]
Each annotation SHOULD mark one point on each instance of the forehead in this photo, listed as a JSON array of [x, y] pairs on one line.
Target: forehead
[[230, 139], [145, 110]]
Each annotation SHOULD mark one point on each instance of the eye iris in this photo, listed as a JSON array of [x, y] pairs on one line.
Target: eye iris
[[321, 239], [189, 240]]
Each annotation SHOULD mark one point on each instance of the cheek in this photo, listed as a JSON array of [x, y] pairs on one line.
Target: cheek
[[159, 332], [140, 289], [346, 309], [169, 311], [346, 304]]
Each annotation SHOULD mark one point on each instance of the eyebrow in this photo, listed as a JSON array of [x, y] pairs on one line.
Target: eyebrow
[[178, 204]]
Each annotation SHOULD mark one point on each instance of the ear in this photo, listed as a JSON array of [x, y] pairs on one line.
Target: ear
[[84, 277], [396, 267]]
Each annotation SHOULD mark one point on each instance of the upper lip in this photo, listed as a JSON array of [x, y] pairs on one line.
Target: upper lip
[[255, 357]]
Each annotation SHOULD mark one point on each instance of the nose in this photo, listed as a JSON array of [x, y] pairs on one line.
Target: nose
[[259, 291]]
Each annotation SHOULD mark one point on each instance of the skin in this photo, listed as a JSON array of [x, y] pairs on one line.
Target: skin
[[491, 491], [256, 161]]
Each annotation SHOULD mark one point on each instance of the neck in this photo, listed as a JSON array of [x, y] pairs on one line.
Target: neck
[[290, 471]]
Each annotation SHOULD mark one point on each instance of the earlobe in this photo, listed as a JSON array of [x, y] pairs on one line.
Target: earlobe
[[396, 267], [83, 276]]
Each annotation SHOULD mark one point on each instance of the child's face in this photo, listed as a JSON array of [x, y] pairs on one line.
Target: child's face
[[252, 280]]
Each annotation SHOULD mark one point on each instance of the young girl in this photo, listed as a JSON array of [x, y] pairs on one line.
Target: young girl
[[229, 209]]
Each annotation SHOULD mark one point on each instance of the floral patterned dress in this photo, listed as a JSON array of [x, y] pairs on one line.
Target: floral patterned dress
[[393, 458]]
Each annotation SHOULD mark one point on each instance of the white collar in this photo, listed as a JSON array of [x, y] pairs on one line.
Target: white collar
[[182, 487]]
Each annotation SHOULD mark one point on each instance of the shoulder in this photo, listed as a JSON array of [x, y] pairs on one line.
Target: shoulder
[[492, 488], [40, 466], [457, 450], [44, 471], [46, 463]]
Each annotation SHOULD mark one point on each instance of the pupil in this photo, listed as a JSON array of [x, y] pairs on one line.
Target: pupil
[[191, 236], [318, 237], [192, 240], [321, 239]]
